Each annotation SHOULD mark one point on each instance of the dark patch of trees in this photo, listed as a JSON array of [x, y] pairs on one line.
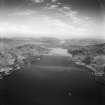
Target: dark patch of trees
[[91, 55]]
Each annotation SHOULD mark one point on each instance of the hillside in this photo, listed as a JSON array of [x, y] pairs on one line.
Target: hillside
[[15, 53], [81, 42], [90, 56]]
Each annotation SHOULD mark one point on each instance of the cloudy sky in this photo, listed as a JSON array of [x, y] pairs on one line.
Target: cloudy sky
[[55, 18]]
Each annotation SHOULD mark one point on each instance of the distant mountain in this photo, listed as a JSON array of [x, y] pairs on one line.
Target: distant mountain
[[81, 42]]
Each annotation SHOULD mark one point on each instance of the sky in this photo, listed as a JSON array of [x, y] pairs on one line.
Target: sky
[[52, 18]]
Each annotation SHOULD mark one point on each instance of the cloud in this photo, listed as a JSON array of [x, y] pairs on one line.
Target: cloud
[[27, 12], [8, 28], [53, 1], [37, 1], [54, 19], [42, 26], [41, 1], [69, 16]]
